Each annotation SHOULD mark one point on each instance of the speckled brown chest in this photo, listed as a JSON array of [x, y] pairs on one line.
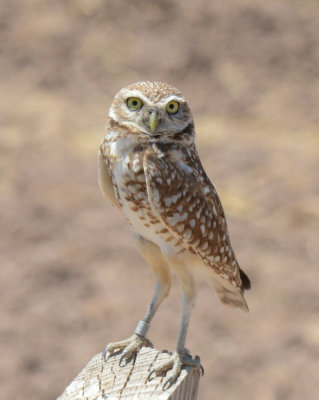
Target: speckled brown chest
[[125, 160]]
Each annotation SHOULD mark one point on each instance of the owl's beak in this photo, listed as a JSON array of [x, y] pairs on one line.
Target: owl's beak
[[153, 120]]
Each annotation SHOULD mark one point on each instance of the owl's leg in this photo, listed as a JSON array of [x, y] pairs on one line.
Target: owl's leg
[[152, 254], [181, 357]]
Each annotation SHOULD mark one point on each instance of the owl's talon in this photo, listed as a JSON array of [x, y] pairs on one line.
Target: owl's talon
[[197, 360], [121, 360], [129, 347], [105, 355], [149, 376], [168, 382], [175, 363]]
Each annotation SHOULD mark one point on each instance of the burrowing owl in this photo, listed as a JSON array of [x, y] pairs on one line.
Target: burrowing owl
[[149, 168]]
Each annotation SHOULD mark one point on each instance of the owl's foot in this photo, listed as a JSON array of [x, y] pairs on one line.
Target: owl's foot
[[129, 347], [178, 360]]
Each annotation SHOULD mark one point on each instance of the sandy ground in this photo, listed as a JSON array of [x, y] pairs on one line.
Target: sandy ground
[[71, 280]]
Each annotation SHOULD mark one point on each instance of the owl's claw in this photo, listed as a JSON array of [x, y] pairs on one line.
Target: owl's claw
[[149, 376], [175, 363], [125, 358], [168, 383], [129, 347], [197, 359], [105, 353]]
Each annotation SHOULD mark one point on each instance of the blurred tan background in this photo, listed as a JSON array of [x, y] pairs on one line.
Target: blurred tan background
[[71, 280]]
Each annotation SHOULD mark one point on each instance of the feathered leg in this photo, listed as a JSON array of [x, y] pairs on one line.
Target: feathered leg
[[153, 256], [181, 357]]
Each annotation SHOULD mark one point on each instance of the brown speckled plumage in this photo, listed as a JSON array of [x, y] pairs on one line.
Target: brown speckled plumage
[[161, 187]]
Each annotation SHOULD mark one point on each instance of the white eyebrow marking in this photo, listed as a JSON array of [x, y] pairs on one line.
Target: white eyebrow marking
[[166, 100], [134, 93]]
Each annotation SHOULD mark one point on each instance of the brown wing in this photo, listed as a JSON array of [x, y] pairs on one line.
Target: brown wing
[[186, 202], [105, 181]]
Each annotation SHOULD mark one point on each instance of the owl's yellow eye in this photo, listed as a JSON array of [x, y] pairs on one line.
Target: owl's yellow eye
[[172, 107], [134, 103]]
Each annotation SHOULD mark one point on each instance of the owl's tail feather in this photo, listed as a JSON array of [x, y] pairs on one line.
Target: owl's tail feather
[[246, 285], [232, 298]]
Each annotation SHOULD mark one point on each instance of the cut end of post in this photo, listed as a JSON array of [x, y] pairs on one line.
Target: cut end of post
[[101, 380]]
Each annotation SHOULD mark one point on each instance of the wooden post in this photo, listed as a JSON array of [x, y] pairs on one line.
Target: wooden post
[[101, 380]]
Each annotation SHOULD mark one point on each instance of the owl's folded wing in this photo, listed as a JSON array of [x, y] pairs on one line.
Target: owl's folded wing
[[186, 202], [105, 181]]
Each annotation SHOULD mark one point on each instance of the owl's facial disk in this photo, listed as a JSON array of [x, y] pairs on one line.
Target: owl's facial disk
[[166, 116]]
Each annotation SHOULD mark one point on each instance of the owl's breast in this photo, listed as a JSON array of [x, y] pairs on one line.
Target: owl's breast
[[129, 177], [130, 180], [126, 167], [125, 161]]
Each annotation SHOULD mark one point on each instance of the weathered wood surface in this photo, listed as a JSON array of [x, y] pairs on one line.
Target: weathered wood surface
[[101, 380]]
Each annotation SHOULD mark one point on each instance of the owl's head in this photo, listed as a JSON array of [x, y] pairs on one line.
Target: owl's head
[[152, 108]]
